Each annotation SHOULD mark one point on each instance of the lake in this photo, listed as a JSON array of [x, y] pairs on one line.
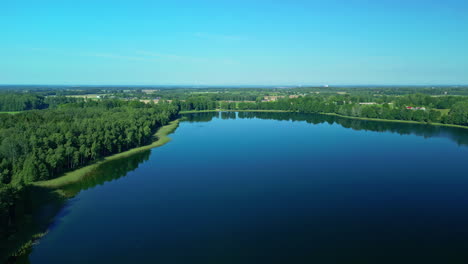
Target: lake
[[273, 188]]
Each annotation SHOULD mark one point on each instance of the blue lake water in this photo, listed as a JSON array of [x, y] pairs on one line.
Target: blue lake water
[[274, 188]]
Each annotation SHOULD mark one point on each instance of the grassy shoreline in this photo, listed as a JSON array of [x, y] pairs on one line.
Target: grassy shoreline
[[10, 112], [76, 175], [50, 193], [331, 114]]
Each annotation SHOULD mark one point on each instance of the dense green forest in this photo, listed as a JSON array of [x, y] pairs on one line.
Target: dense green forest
[[43, 144], [20, 102], [15, 101]]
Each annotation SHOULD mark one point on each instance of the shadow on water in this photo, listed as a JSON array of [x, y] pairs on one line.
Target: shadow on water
[[200, 117], [106, 172], [41, 208], [35, 208], [457, 135]]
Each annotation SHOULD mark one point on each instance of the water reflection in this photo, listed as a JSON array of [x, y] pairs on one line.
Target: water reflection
[[228, 115], [458, 135], [108, 171], [42, 204], [200, 117]]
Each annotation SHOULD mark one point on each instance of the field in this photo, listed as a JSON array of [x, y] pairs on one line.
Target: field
[[11, 113], [443, 111]]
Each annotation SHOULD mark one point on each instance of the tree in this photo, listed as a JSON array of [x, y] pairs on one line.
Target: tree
[[459, 113]]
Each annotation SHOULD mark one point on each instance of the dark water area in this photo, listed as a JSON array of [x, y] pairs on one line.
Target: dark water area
[[273, 188]]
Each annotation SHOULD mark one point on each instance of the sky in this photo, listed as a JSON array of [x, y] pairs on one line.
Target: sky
[[237, 42]]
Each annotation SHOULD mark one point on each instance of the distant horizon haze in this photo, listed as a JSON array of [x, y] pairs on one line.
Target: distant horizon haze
[[236, 85]]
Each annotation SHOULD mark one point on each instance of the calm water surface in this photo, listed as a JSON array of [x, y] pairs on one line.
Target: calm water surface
[[274, 188]]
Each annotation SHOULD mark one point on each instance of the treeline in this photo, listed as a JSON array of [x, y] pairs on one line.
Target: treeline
[[441, 109], [20, 102], [417, 99], [255, 94], [195, 103], [39, 145], [236, 97], [43, 144], [15, 101], [458, 113]]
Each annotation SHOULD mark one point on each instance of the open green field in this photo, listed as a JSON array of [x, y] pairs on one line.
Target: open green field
[[443, 111], [11, 113]]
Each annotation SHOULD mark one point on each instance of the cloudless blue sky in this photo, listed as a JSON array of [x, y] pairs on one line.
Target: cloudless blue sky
[[234, 42]]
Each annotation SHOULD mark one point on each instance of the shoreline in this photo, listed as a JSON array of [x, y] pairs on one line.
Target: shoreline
[[395, 120], [51, 192], [76, 175], [330, 114]]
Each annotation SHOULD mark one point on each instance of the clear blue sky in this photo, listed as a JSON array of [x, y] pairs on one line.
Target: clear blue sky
[[234, 42]]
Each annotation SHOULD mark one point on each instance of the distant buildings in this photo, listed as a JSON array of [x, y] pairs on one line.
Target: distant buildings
[[275, 98], [271, 98], [416, 108], [155, 100], [150, 91]]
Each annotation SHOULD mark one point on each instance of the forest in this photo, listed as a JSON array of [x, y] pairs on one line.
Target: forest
[[43, 144], [19, 101]]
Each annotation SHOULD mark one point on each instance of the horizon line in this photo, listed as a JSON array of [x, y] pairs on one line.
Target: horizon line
[[234, 85]]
